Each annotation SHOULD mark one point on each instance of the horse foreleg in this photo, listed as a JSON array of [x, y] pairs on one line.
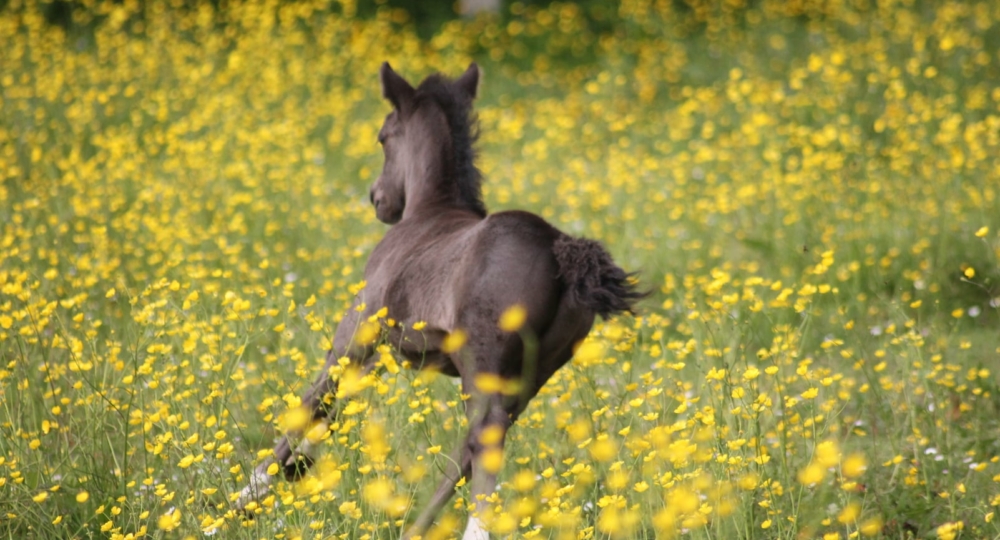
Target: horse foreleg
[[295, 454], [289, 456]]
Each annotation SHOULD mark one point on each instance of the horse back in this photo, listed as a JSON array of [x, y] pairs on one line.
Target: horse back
[[441, 270]]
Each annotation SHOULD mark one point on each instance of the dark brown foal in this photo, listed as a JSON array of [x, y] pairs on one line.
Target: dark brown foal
[[446, 262]]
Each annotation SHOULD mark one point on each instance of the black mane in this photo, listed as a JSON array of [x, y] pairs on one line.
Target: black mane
[[464, 130]]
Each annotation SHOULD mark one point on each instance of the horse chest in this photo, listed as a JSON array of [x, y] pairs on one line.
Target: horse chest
[[413, 290]]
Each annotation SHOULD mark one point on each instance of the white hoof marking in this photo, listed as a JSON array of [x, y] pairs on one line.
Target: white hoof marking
[[475, 531], [259, 481]]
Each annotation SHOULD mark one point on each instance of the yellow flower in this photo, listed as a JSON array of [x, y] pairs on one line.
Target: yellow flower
[[603, 449], [588, 352], [850, 513], [716, 374], [854, 466], [748, 481], [170, 520], [812, 474], [351, 382], [350, 509], [970, 272], [387, 360], [367, 333], [378, 492], [373, 433], [82, 497], [317, 432], [492, 459], [513, 318], [453, 341], [503, 524], [617, 480], [827, 453], [871, 526], [983, 231], [949, 531], [524, 480], [491, 435]]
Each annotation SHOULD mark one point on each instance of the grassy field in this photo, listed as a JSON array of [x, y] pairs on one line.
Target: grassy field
[[811, 190]]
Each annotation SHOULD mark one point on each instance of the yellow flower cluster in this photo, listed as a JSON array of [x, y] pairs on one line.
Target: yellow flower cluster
[[811, 188]]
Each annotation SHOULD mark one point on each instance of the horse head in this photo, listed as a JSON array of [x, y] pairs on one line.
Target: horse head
[[427, 144]]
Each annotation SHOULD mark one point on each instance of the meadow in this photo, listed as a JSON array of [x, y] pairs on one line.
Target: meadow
[[811, 190]]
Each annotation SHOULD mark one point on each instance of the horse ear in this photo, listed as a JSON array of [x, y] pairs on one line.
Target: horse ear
[[395, 88], [468, 83]]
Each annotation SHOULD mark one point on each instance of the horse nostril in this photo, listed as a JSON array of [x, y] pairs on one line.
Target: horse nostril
[[371, 196]]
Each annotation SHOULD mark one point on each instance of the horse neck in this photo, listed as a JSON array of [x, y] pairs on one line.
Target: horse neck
[[428, 187]]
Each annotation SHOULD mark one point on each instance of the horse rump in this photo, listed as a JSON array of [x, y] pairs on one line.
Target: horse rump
[[592, 278]]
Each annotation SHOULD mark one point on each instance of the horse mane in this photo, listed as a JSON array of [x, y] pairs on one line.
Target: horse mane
[[464, 128]]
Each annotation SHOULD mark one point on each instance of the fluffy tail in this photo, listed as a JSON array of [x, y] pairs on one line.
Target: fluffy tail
[[592, 278]]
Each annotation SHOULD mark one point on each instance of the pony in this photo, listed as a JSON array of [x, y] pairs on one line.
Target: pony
[[448, 263]]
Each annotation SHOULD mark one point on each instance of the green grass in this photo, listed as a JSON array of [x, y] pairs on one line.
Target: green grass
[[810, 191]]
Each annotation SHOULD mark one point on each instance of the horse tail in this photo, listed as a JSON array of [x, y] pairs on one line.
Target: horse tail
[[592, 278]]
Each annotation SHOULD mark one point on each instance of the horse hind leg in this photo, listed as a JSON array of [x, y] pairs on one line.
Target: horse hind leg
[[459, 466], [487, 435], [497, 413], [491, 415], [556, 346], [488, 413], [489, 425]]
